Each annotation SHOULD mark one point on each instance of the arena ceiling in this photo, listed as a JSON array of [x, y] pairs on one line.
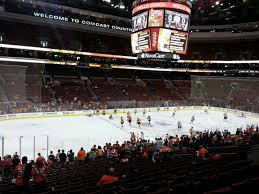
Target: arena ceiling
[[203, 12]]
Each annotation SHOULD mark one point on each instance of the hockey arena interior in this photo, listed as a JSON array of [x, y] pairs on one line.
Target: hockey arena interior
[[129, 96]]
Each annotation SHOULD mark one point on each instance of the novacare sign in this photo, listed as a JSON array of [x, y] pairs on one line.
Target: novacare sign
[[80, 21]]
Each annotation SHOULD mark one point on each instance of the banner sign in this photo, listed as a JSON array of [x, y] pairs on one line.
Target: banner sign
[[138, 2], [154, 38], [158, 5], [81, 21], [158, 56]]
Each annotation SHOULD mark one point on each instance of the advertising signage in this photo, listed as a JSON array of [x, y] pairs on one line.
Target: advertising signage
[[159, 5], [159, 40], [172, 41], [140, 41], [138, 2], [156, 18], [81, 21]]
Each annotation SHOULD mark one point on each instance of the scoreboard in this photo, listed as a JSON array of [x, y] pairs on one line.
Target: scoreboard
[[172, 41], [160, 26], [176, 20], [139, 22], [141, 41]]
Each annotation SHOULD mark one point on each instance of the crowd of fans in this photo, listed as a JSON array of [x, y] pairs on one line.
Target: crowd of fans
[[77, 104], [30, 107], [24, 173]]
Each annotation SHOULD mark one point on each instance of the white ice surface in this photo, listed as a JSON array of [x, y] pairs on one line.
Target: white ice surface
[[81, 131]]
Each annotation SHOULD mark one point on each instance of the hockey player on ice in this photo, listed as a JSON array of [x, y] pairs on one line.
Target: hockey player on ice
[[225, 117], [179, 125], [138, 122], [122, 122], [144, 112], [129, 119], [242, 114], [110, 117], [192, 119], [149, 119]]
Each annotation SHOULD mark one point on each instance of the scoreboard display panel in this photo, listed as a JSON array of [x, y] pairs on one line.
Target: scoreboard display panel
[[172, 41], [141, 41], [139, 21], [160, 26], [156, 18], [175, 20]]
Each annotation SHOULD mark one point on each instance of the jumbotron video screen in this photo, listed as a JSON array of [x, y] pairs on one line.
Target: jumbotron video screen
[[160, 27]]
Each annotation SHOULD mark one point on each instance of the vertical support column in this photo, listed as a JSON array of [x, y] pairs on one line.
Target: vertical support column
[[47, 147], [2, 147], [20, 146], [34, 145]]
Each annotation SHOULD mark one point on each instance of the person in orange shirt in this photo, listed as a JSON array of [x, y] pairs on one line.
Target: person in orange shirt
[[39, 173], [145, 152], [202, 153], [22, 175], [19, 173], [177, 140], [108, 179], [81, 155]]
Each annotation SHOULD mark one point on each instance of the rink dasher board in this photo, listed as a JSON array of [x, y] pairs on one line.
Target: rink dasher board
[[90, 113]]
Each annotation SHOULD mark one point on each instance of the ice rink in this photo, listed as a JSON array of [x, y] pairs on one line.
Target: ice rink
[[82, 131]]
